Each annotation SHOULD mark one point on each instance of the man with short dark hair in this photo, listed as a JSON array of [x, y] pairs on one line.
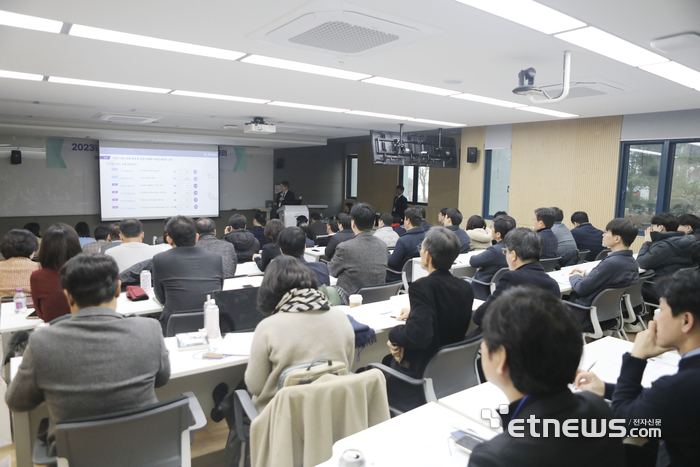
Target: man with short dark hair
[[100, 233], [317, 226], [400, 203], [284, 197], [184, 275], [331, 229], [132, 250], [566, 242], [95, 363], [408, 245], [361, 261], [491, 260], [451, 222], [543, 222], [113, 239], [345, 233], [385, 232], [531, 350], [258, 229], [206, 229], [423, 223], [615, 271], [690, 224], [522, 249], [671, 399], [292, 242], [586, 236], [243, 240]]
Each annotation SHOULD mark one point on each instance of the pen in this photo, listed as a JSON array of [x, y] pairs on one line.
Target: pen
[[591, 367]]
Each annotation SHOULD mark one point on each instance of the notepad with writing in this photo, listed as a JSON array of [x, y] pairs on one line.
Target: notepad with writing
[[236, 343]]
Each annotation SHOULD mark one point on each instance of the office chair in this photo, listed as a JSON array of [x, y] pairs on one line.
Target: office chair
[[606, 313], [582, 255], [190, 321], [463, 271], [377, 293], [550, 263], [633, 298], [406, 274], [603, 254], [494, 280]]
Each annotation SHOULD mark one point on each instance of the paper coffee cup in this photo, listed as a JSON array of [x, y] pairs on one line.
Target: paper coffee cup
[[355, 300]]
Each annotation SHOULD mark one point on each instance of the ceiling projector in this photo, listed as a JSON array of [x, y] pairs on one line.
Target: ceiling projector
[[259, 126]]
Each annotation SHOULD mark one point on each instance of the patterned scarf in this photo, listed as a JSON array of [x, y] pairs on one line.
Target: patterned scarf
[[297, 300]]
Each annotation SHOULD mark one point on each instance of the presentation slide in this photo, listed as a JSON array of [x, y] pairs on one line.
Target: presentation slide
[[158, 183]]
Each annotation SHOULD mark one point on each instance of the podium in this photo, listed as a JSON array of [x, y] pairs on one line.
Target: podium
[[288, 214]]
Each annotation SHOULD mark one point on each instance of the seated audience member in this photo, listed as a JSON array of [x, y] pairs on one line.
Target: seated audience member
[[301, 327], [492, 260], [303, 224], [331, 229], [522, 249], [132, 250], [617, 270], [361, 261], [531, 350], [586, 236], [95, 363], [291, 242], [101, 233], [163, 240], [451, 222], [499, 213], [665, 250], [83, 233], [206, 229], [113, 237], [543, 222], [565, 241], [385, 233], [34, 228], [398, 228], [478, 233], [60, 243], [347, 208], [271, 250], [441, 216], [17, 247], [408, 245], [440, 312], [344, 234], [690, 225], [258, 229], [423, 223], [672, 399], [317, 226], [245, 242], [184, 275]]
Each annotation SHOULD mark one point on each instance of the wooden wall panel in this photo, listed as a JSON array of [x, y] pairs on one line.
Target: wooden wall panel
[[471, 176], [376, 184], [444, 192]]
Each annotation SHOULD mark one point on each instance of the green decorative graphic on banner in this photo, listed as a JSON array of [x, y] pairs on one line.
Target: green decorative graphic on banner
[[54, 160], [241, 160]]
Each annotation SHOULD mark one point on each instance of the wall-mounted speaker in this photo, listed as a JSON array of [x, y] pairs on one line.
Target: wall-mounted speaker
[[279, 164], [471, 155], [15, 157]]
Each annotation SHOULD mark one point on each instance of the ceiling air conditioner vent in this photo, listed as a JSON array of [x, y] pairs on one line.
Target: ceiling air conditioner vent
[[127, 118], [346, 38]]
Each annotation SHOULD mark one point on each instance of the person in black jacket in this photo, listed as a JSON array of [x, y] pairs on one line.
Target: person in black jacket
[[245, 242], [408, 245], [258, 229], [531, 350], [451, 222], [400, 203], [291, 242], [344, 234], [672, 400], [690, 225], [492, 259], [586, 236], [522, 249], [284, 197], [543, 222], [271, 250], [441, 308]]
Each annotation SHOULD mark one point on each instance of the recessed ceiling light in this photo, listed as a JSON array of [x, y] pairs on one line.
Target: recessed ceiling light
[[675, 72], [553, 113], [304, 67], [611, 46], [395, 83], [307, 106], [229, 127], [528, 13], [378, 115], [102, 84], [30, 22], [436, 122], [222, 97], [487, 100], [152, 42], [17, 75]]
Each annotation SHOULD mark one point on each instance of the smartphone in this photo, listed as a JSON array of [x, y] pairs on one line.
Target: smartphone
[[466, 441]]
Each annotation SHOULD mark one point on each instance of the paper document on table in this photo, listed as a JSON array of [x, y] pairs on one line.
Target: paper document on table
[[236, 343]]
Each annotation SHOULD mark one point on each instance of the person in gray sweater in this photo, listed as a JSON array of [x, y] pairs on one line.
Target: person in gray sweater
[[206, 229]]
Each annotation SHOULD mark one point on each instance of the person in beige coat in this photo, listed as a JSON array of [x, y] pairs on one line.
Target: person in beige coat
[[479, 235]]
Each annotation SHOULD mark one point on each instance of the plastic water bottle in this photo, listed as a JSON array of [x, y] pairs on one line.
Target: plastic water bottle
[[211, 319], [146, 281], [20, 300]]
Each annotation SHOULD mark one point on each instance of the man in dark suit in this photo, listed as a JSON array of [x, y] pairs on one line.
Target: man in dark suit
[[400, 203], [292, 242], [331, 229], [492, 259], [184, 275], [95, 363], [522, 250], [617, 270], [451, 222], [586, 236], [408, 245], [531, 351], [543, 222], [423, 223], [284, 197], [671, 399], [344, 234]]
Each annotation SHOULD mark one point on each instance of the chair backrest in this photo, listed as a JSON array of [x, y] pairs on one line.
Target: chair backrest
[[497, 277], [157, 434], [465, 271], [635, 290], [607, 304], [453, 367], [582, 255], [238, 309], [378, 293], [190, 321], [603, 254], [549, 263]]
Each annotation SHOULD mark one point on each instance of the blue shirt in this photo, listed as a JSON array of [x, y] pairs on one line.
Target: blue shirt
[[85, 240]]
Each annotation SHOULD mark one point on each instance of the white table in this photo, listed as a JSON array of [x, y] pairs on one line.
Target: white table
[[462, 261], [248, 269], [313, 255], [562, 276], [470, 402]]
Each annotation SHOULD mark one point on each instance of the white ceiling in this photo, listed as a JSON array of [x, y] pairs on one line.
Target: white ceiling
[[484, 51]]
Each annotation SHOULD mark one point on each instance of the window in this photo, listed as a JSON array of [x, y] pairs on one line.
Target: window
[[659, 176], [416, 181], [351, 185], [496, 181]]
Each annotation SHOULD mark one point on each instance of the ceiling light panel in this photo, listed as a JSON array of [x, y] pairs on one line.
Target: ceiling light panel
[[553, 113], [675, 72], [378, 115], [487, 100], [304, 67], [437, 122], [611, 46], [30, 22], [308, 107], [222, 97], [152, 42], [102, 84], [17, 75], [528, 13], [395, 83]]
